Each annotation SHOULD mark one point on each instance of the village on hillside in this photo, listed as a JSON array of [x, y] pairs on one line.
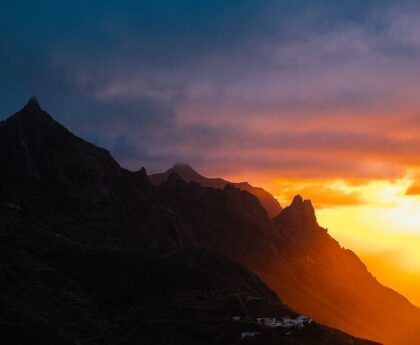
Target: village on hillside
[[266, 321]]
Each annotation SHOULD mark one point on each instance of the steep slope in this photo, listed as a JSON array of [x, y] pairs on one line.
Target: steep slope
[[188, 174], [94, 254]]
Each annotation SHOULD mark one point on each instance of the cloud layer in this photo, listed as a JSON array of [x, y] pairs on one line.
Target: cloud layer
[[309, 89]]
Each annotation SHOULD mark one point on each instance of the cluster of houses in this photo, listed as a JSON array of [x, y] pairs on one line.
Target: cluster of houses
[[285, 322], [249, 334], [300, 321]]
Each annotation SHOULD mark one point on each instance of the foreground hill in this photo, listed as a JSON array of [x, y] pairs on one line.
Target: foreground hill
[[93, 254], [188, 174], [55, 290]]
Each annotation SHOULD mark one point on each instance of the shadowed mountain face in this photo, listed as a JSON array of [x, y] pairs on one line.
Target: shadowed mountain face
[[188, 174], [92, 253]]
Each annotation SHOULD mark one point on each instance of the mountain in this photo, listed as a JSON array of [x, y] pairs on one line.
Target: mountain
[[92, 253], [187, 173], [298, 259]]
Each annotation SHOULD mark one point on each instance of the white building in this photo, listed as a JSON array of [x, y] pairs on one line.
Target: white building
[[249, 334], [300, 321], [269, 321]]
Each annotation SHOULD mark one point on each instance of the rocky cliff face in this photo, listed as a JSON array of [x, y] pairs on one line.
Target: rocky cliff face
[[81, 236]]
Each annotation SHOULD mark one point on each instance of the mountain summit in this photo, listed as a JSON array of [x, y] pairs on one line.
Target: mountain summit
[[32, 105], [187, 173], [300, 214], [38, 152], [32, 111]]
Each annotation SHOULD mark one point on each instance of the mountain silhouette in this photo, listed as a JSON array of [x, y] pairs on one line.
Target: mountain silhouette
[[187, 173], [92, 253]]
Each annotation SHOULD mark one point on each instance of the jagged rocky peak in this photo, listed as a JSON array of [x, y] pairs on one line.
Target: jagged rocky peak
[[300, 213], [35, 147], [32, 104], [32, 112], [32, 107], [297, 201]]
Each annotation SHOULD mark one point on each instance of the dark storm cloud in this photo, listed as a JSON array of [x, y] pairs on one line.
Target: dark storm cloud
[[275, 85]]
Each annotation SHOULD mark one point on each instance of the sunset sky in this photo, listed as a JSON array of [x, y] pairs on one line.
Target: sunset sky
[[319, 98]]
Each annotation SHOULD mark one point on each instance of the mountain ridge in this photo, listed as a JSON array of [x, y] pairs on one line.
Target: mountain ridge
[[84, 202], [185, 171]]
